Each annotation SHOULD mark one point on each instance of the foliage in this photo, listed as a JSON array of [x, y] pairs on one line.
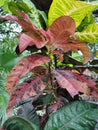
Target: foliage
[[49, 46]]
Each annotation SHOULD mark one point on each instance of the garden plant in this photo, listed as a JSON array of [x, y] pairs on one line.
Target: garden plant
[[46, 87]]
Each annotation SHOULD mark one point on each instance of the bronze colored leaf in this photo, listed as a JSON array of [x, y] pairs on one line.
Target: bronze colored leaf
[[28, 89], [74, 46], [39, 37], [61, 29], [66, 79], [23, 67]]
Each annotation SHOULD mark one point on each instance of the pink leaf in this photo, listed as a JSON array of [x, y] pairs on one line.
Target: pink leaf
[[23, 67], [27, 89], [67, 80], [74, 46], [24, 41], [39, 37], [61, 29]]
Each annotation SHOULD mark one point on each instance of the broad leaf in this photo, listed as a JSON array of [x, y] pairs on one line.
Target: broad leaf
[[39, 37], [61, 39], [74, 46], [90, 34], [66, 79], [19, 123], [61, 29], [24, 66], [27, 89], [79, 115], [76, 9]]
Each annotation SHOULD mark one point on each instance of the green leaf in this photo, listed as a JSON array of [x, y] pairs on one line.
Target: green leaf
[[19, 123], [78, 115], [18, 6], [1, 2], [4, 97], [39, 18], [90, 34], [76, 9], [89, 19]]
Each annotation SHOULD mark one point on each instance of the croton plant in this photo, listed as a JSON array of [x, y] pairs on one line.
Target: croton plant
[[49, 99]]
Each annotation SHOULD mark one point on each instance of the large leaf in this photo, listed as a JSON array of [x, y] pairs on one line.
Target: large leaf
[[61, 39], [24, 66], [27, 89], [19, 123], [79, 115], [90, 34], [61, 29], [74, 46], [67, 79], [39, 37], [74, 8]]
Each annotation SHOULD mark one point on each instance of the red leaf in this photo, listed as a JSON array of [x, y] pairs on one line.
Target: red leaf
[[23, 67], [74, 46], [66, 79], [61, 29], [24, 41], [39, 37], [27, 89]]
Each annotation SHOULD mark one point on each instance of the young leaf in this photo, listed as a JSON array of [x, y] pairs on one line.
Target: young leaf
[[23, 67], [76, 9], [28, 89], [90, 34], [61, 39], [66, 79], [78, 115], [61, 29]]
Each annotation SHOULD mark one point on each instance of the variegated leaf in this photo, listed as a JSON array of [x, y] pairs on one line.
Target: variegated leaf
[[23, 67], [67, 80], [74, 8], [29, 88], [90, 34]]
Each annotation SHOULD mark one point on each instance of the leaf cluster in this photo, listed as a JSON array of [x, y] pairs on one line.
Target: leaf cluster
[[50, 93]]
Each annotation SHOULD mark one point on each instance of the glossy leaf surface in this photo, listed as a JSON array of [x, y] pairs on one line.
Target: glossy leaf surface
[[77, 115]]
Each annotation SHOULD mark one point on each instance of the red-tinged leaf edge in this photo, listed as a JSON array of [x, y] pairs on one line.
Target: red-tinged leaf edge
[[23, 67]]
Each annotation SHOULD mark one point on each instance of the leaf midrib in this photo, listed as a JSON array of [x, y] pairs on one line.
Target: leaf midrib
[[77, 9], [72, 120]]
